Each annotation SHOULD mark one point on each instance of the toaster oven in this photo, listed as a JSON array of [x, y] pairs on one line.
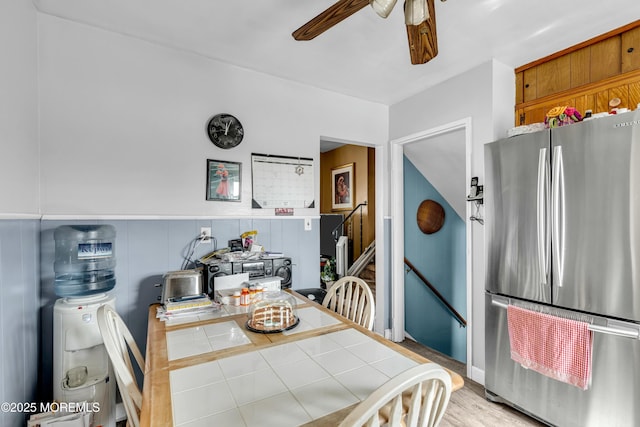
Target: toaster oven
[[181, 283]]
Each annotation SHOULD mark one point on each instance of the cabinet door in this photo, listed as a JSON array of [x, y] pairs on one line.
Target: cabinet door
[[634, 95], [553, 76], [605, 95], [520, 118], [584, 102], [580, 67], [534, 114], [530, 84], [605, 58], [621, 92], [631, 50], [519, 87]]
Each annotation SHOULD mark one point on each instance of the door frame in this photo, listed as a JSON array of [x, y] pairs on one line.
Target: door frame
[[397, 214]]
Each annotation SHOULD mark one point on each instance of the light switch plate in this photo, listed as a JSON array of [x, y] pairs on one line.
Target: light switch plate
[[307, 224]]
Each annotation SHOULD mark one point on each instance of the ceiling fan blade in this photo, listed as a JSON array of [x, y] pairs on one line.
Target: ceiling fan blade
[[423, 41], [331, 16]]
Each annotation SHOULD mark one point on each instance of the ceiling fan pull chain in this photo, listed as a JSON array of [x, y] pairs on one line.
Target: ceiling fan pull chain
[[382, 7], [415, 12]]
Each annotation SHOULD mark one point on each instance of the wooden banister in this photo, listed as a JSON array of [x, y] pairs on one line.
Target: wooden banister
[[453, 311]]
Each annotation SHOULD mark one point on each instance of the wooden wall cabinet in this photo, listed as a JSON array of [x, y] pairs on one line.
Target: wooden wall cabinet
[[605, 59], [585, 76], [630, 46]]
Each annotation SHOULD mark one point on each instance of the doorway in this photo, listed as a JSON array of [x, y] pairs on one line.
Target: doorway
[[359, 213], [462, 129]]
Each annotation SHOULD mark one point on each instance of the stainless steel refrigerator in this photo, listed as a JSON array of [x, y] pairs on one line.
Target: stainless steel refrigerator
[[563, 233]]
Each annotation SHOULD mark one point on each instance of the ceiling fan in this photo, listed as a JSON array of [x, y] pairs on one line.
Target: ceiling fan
[[420, 20]]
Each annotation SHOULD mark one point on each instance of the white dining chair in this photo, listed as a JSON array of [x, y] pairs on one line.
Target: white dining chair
[[352, 298], [417, 397], [118, 341]]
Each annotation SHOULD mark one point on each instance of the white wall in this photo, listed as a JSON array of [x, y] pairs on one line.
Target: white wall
[[486, 94], [19, 168], [123, 124], [19, 198]]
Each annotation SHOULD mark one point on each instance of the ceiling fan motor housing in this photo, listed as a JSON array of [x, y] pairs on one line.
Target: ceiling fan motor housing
[[382, 7], [415, 12]]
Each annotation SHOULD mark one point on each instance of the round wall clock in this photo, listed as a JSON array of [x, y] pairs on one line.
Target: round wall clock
[[225, 131]]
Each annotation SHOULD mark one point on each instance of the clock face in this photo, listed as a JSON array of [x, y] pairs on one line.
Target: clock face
[[225, 131]]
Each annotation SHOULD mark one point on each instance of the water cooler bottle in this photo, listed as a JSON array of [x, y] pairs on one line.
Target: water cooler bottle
[[84, 273]]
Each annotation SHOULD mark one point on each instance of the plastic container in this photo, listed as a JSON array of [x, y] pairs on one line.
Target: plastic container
[[236, 299], [274, 312], [85, 260], [244, 297]]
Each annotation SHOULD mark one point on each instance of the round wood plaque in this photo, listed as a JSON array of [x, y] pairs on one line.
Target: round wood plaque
[[430, 216]]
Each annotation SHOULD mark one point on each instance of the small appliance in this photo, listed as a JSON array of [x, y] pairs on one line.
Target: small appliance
[[181, 283], [256, 268], [84, 273], [82, 371], [282, 268]]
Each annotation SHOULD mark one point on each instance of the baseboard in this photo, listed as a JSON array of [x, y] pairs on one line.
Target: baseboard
[[477, 375]]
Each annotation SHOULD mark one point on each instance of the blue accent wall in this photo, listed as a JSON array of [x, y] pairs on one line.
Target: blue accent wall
[[441, 258], [19, 316]]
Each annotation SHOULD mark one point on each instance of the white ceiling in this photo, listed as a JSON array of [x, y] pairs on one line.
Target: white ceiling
[[364, 56]]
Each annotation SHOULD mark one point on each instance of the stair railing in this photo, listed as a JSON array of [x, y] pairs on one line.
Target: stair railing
[[343, 263], [458, 317], [363, 260], [334, 232]]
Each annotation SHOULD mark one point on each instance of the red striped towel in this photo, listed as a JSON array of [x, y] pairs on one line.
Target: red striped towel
[[553, 346]]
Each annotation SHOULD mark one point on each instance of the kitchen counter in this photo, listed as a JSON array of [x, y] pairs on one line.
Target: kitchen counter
[[215, 371]]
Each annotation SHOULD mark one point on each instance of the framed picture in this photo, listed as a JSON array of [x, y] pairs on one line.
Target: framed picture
[[342, 187], [223, 180]]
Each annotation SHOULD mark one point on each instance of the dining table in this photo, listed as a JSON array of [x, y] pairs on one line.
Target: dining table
[[211, 369]]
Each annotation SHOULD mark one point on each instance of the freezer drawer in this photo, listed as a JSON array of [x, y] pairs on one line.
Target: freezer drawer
[[611, 400]]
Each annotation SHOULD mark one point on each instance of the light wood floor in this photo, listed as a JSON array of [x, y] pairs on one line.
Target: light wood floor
[[468, 407]]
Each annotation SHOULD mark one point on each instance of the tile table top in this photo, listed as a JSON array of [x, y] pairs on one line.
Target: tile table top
[[284, 385]]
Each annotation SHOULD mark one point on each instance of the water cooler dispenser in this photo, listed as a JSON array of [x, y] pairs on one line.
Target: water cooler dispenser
[[84, 273]]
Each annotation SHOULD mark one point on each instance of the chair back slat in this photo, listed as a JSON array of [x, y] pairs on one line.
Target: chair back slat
[[417, 397], [119, 343], [352, 298]]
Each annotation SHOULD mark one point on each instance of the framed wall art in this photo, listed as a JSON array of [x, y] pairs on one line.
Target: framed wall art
[[343, 187], [223, 180]]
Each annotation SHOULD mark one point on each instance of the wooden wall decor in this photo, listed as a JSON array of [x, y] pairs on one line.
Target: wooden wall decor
[[430, 216]]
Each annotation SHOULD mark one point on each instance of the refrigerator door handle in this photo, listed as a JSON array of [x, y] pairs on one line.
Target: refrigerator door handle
[[541, 206], [557, 197], [610, 326], [620, 331]]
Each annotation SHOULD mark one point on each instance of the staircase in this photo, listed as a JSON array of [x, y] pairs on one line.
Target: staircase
[[363, 260], [365, 268], [368, 274]]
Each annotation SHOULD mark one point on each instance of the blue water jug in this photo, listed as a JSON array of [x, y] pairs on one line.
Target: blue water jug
[[85, 260]]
